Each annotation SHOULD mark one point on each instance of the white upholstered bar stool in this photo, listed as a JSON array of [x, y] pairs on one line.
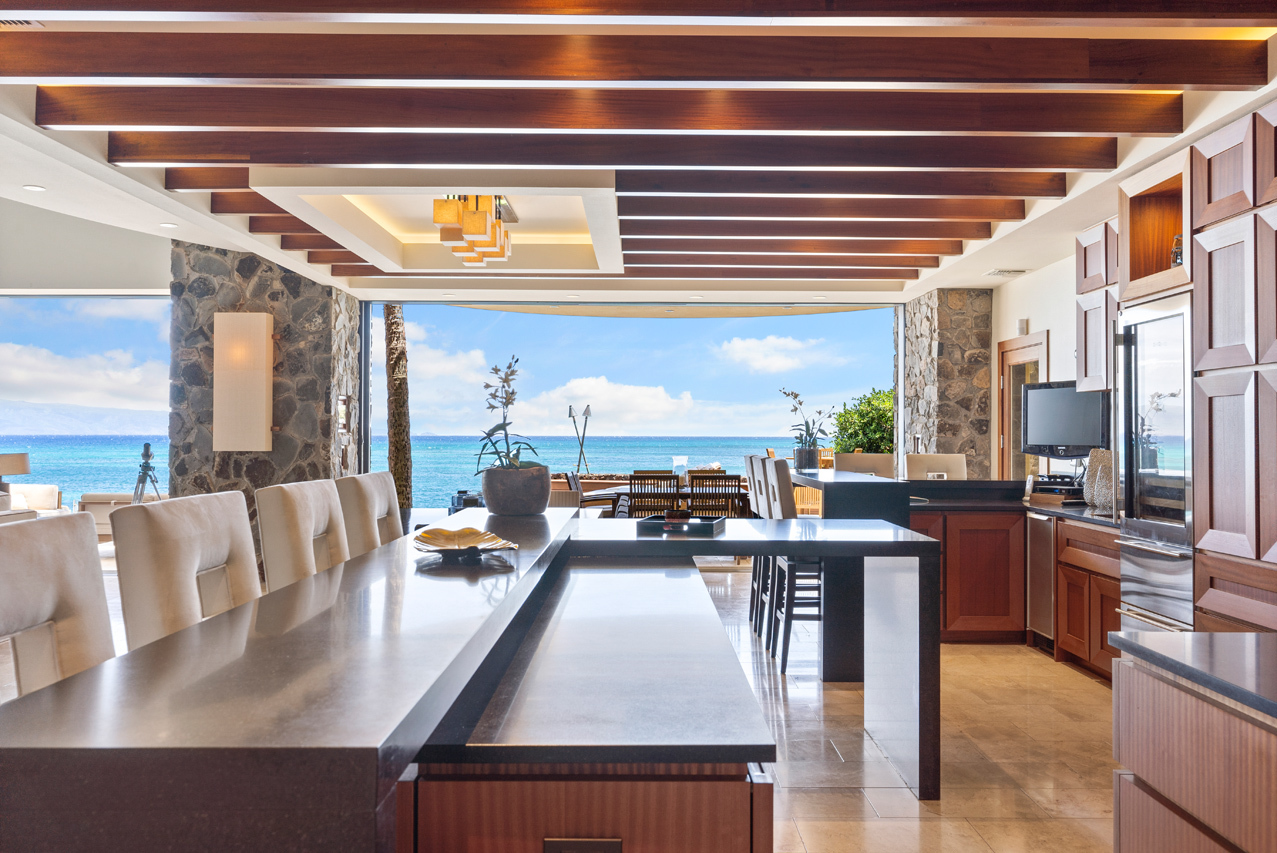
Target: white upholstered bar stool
[[181, 561], [371, 509], [760, 504], [53, 607], [878, 464], [302, 531], [921, 466]]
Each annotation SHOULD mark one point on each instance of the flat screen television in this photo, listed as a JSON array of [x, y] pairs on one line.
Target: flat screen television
[[1059, 421]]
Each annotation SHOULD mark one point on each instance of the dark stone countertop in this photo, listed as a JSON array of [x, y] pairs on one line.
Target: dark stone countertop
[[1242, 667], [623, 665], [1087, 514]]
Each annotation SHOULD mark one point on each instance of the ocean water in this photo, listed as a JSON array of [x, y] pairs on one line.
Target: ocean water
[[441, 465]]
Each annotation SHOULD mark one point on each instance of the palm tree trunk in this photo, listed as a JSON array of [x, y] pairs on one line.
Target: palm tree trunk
[[397, 404]]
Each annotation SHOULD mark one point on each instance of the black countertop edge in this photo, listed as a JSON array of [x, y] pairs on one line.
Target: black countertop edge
[[599, 754], [1140, 644], [1084, 514]]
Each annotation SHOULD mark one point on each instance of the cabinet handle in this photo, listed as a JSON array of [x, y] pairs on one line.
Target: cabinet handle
[[1141, 546], [1038, 517], [1150, 620]]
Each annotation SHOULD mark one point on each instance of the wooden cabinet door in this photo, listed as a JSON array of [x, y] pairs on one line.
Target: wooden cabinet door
[[984, 564], [1223, 168], [1266, 154], [1105, 597], [1224, 298], [1095, 315], [1072, 611], [1266, 404], [931, 524], [1096, 255], [1266, 285], [1225, 516]]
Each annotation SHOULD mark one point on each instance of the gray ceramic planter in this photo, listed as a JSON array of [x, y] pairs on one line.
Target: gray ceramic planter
[[516, 491]]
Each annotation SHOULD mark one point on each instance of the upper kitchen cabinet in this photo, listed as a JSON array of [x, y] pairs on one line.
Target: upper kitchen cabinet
[[1096, 312], [1096, 251], [1154, 227], [1223, 167], [1224, 295], [1266, 283], [1225, 512], [1266, 154]]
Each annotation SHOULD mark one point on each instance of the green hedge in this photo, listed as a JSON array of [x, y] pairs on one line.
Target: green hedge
[[867, 424]]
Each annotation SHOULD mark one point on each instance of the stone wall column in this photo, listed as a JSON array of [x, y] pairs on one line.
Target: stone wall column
[[948, 375], [316, 361]]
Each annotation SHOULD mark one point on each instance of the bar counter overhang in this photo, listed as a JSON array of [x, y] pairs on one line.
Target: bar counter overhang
[[284, 724]]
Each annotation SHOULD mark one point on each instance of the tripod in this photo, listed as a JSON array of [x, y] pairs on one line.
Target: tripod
[[146, 475]]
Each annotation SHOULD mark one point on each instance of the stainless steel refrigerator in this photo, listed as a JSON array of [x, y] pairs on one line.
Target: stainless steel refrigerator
[[1155, 463]]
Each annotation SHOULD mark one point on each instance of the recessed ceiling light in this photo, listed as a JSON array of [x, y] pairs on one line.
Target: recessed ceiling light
[[574, 296], [168, 224], [787, 307], [448, 295], [669, 310], [820, 297], [34, 188], [696, 297]]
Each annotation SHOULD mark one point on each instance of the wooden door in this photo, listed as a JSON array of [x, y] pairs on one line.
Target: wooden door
[[1223, 168], [984, 565], [1095, 315], [1224, 498], [1021, 361], [1073, 611], [1224, 298], [1104, 600], [1266, 154]]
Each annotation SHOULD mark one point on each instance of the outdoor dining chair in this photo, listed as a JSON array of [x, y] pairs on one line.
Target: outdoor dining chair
[[652, 493], [715, 494]]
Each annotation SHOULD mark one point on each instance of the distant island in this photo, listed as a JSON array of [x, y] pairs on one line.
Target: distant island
[[21, 418]]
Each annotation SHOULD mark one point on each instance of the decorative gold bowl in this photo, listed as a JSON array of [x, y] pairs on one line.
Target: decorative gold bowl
[[466, 544]]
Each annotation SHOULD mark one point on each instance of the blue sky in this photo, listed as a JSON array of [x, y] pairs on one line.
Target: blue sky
[[641, 376]]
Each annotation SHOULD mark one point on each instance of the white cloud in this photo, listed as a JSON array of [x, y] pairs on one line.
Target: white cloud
[[109, 380], [617, 409], [156, 311], [445, 388], [774, 354]]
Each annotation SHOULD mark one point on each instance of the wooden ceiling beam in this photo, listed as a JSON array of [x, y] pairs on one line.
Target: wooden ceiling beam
[[612, 150], [206, 180], [243, 202], [334, 109], [637, 247], [339, 256], [638, 261], [974, 184], [796, 229], [308, 242], [278, 225], [973, 209], [1180, 12], [65, 57]]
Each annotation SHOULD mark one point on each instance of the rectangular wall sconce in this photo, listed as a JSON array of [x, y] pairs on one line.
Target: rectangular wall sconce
[[243, 378]]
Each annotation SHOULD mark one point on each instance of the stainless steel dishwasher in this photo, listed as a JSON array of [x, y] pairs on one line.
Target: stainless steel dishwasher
[[1041, 574]]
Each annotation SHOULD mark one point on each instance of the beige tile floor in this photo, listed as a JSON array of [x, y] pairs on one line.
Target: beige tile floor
[[1026, 751]]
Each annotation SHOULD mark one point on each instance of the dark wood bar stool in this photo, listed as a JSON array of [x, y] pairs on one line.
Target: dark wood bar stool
[[794, 584]]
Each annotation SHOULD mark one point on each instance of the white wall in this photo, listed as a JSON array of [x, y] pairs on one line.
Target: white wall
[[43, 253], [1047, 298]]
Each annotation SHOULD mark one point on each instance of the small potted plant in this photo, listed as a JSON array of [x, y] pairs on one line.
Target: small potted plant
[[512, 485], [807, 434]]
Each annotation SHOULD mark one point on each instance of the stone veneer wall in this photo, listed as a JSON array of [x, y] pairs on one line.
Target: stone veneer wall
[[316, 360], [947, 387]]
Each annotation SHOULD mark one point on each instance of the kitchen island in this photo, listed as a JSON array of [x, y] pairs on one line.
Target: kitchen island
[[287, 723]]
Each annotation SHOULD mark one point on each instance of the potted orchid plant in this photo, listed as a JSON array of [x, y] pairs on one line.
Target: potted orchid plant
[[513, 484], [807, 433]]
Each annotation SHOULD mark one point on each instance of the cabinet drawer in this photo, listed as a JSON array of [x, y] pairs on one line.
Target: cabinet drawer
[[1242, 590], [1089, 547], [517, 815], [1146, 825], [1215, 763]]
